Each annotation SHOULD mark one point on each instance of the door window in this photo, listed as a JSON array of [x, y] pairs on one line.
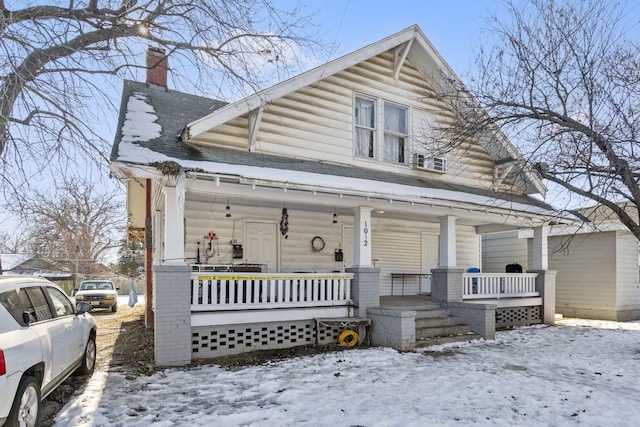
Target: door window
[[61, 303], [41, 309]]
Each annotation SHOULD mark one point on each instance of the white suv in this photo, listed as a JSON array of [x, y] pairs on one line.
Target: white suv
[[43, 340], [98, 293]]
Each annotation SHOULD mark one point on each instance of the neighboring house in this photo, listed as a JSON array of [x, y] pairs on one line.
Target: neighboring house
[[26, 264], [597, 265], [319, 198]]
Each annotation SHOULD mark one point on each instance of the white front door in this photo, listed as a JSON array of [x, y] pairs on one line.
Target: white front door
[[262, 244], [430, 254]]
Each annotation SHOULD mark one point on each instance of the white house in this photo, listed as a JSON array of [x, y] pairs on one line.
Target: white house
[[597, 265], [321, 198]]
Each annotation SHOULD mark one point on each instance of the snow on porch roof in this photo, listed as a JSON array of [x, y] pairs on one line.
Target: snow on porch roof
[[333, 178]]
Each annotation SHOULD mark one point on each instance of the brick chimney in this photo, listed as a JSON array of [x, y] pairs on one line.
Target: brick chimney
[[157, 67]]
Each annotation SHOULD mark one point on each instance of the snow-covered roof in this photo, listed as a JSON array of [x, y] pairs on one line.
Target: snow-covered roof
[[11, 261], [335, 178], [155, 118]]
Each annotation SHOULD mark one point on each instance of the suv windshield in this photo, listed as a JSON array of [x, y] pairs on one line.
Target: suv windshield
[[93, 286]]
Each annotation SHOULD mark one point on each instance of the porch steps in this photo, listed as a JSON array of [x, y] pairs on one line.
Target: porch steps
[[434, 324]]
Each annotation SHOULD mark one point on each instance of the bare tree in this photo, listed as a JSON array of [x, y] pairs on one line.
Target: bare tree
[[77, 226], [563, 81], [58, 62]]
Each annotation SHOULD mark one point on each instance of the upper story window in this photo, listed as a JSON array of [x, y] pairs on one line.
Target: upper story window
[[365, 120], [392, 124], [395, 133]]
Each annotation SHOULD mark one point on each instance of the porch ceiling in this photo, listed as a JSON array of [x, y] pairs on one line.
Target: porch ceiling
[[324, 200]]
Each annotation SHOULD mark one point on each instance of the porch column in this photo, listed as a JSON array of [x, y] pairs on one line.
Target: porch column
[[448, 241], [446, 284], [173, 225], [540, 247], [446, 280], [362, 236], [171, 294], [172, 315], [365, 286], [546, 286]]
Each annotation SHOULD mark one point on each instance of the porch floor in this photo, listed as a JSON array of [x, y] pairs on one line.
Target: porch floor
[[406, 301]]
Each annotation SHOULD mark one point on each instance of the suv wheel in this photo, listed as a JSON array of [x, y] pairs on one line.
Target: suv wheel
[[114, 308], [88, 358], [25, 410]]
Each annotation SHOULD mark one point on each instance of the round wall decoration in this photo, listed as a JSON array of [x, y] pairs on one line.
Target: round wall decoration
[[317, 244]]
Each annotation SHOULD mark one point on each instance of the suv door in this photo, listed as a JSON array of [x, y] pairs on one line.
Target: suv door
[[40, 316], [74, 334], [55, 334]]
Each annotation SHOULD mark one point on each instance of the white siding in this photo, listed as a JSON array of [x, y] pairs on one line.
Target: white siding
[[316, 122], [396, 244], [500, 249], [628, 291], [586, 279], [296, 253], [397, 247], [468, 247]]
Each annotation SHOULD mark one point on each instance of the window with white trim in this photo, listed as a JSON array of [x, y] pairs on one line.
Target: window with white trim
[[365, 121], [395, 133], [391, 143]]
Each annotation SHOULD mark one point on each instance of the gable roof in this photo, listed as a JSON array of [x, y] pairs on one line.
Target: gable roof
[[412, 44], [151, 129]]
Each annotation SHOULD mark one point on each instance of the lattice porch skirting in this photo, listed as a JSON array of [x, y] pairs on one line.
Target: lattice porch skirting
[[217, 341], [507, 317]]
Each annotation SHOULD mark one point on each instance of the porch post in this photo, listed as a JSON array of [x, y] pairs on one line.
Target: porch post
[[173, 225], [546, 280], [546, 286], [172, 315], [365, 286], [448, 241], [172, 295], [540, 247], [446, 280], [362, 236]]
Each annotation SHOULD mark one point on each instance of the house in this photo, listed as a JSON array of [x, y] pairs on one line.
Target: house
[[597, 265], [25, 264], [317, 204]]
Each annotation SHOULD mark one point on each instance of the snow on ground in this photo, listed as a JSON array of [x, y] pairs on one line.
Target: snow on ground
[[577, 373]]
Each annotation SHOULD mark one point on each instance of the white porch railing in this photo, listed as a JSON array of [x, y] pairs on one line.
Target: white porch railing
[[499, 285], [241, 291]]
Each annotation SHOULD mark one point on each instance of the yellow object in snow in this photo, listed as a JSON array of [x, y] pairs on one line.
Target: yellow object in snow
[[348, 338]]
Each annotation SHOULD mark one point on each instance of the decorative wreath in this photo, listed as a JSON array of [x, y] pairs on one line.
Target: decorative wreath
[[317, 244]]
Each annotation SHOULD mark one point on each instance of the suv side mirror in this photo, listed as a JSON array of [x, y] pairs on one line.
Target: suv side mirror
[[74, 292], [82, 307], [26, 318]]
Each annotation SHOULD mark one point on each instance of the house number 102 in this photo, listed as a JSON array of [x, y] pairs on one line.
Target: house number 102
[[365, 231]]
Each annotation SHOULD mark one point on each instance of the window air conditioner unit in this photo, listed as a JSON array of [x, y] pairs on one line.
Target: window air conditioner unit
[[438, 164]]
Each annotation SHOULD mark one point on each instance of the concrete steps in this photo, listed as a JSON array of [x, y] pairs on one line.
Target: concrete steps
[[434, 324]]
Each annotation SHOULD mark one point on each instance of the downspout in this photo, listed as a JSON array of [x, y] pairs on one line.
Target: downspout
[[148, 315]]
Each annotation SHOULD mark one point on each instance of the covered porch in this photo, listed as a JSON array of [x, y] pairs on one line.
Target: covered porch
[[341, 251]]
